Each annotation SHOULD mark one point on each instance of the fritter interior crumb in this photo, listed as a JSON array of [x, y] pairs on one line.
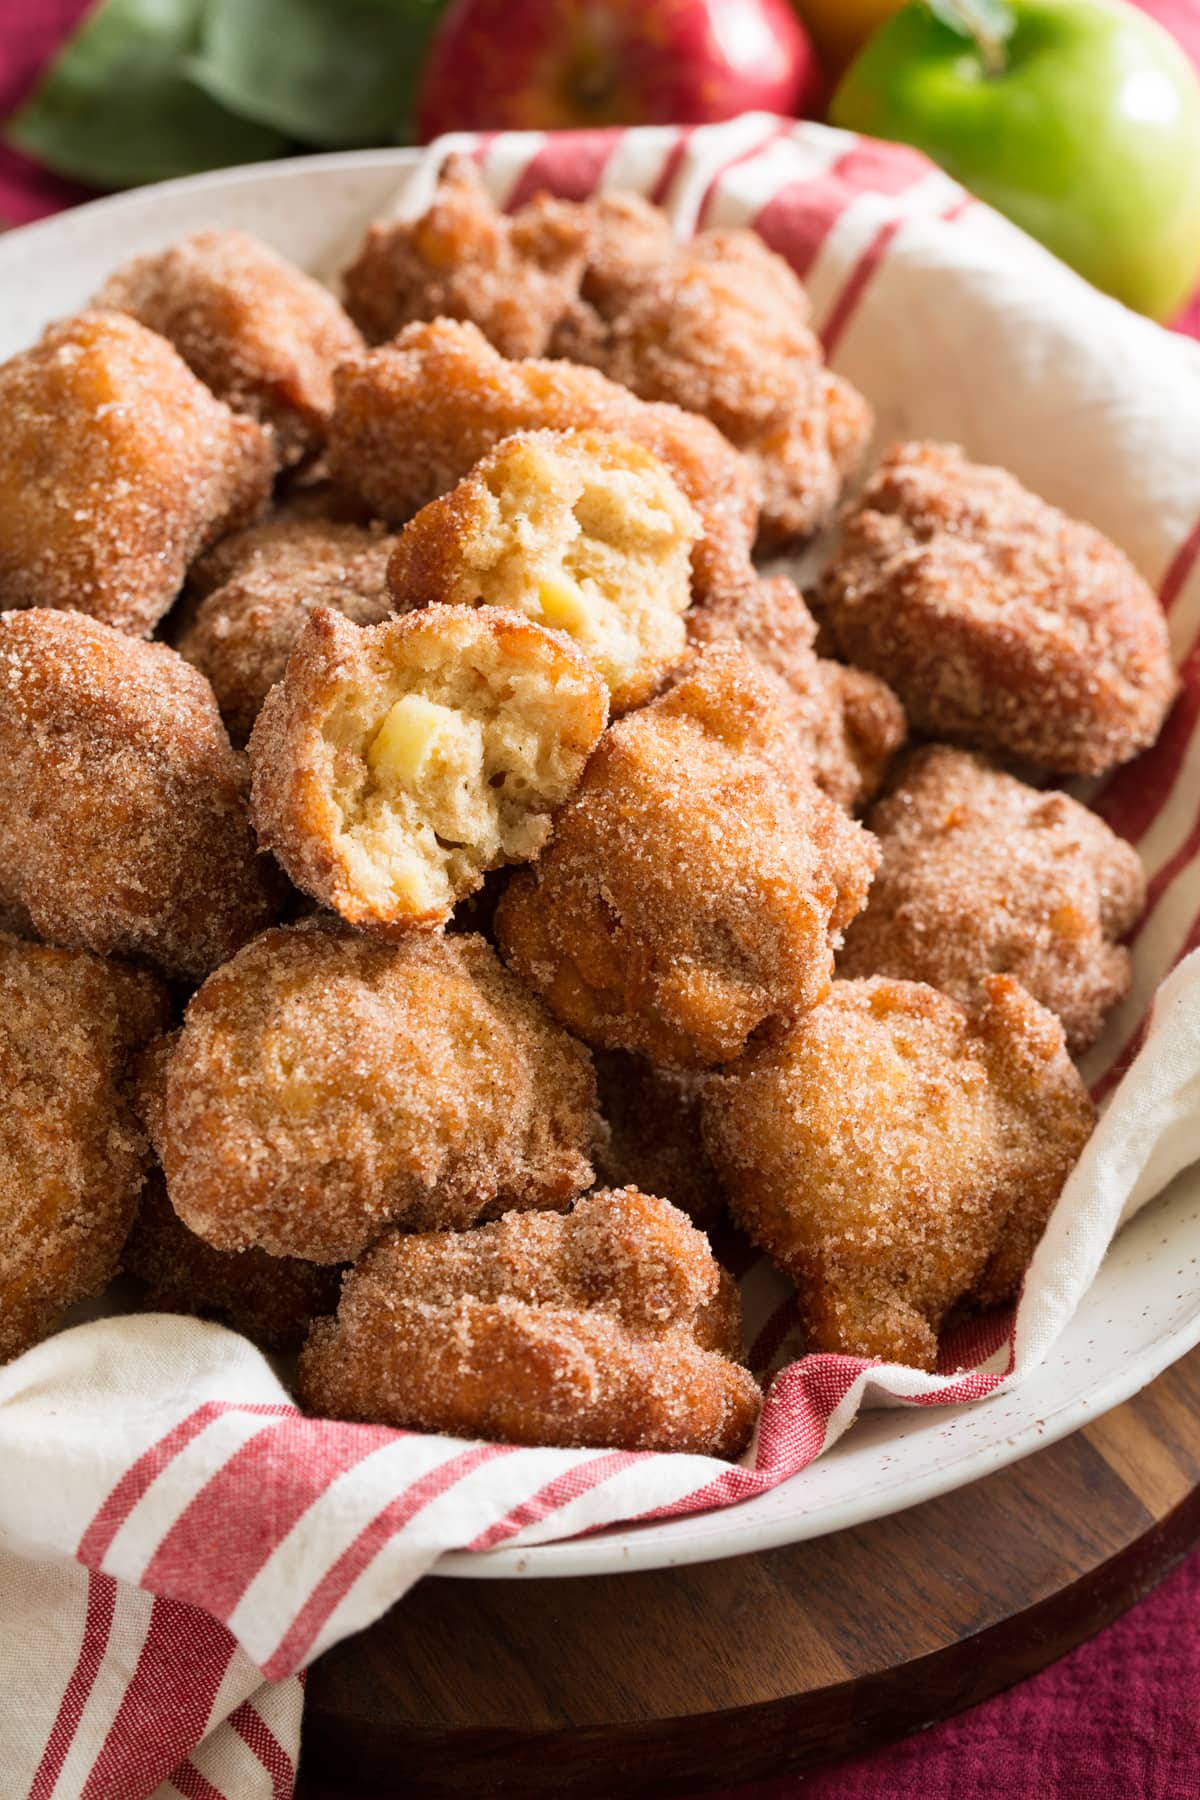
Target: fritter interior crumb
[[583, 531], [1002, 624], [412, 419], [653, 1141], [696, 882], [896, 1154], [326, 1084], [264, 336], [596, 1328], [848, 723], [72, 1155], [393, 766], [124, 826], [463, 259], [117, 467], [244, 629], [982, 875]]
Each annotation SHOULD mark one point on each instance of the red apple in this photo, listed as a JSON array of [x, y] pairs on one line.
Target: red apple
[[543, 64]]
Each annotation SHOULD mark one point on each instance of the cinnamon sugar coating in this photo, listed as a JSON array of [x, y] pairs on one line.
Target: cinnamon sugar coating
[[463, 259], [412, 419], [243, 630], [897, 1154], [270, 1299], [849, 723], [1001, 623], [611, 1325], [72, 1154], [653, 1140], [583, 531], [326, 1085], [124, 826], [264, 336], [720, 325], [982, 875], [393, 766], [696, 882], [117, 467]]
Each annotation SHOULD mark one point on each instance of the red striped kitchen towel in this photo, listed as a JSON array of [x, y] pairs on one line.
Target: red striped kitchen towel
[[176, 1540]]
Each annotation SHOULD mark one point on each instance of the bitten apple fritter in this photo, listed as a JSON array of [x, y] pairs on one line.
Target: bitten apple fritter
[[982, 875], [72, 1154], [412, 419], [696, 882], [264, 336], [124, 825], [583, 531], [1001, 623], [848, 724], [246, 626], [612, 1325], [394, 766], [897, 1154], [326, 1085], [117, 467]]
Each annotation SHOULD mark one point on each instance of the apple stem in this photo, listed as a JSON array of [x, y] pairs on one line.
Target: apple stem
[[987, 23]]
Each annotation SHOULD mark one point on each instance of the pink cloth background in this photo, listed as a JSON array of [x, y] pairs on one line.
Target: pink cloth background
[[1114, 1721]]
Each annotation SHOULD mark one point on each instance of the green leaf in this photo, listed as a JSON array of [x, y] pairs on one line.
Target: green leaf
[[988, 23], [117, 107], [332, 72]]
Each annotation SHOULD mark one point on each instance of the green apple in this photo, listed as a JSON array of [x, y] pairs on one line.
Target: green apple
[[1079, 119]]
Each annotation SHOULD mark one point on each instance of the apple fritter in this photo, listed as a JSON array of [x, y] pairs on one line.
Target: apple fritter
[[394, 766], [849, 723], [243, 630], [653, 1139], [611, 1325], [1002, 624], [117, 468], [696, 882], [897, 1154], [263, 335], [124, 823], [72, 1154], [981, 875], [583, 531], [415, 417], [326, 1085]]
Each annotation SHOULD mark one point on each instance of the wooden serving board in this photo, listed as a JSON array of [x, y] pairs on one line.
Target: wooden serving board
[[678, 1680]]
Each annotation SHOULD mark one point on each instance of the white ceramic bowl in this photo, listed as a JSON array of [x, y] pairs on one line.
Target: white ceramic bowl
[[1143, 1311]]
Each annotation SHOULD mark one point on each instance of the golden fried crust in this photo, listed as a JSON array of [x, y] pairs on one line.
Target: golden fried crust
[[589, 1329], [260, 333], [412, 419], [720, 326], [983, 875], [462, 259], [849, 723], [270, 1299], [1002, 624], [123, 817], [117, 467], [393, 766], [326, 1085], [583, 531], [72, 1155], [695, 883], [653, 1140], [243, 631], [896, 1154]]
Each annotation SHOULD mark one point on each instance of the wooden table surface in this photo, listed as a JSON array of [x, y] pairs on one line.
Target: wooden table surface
[[677, 1680]]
